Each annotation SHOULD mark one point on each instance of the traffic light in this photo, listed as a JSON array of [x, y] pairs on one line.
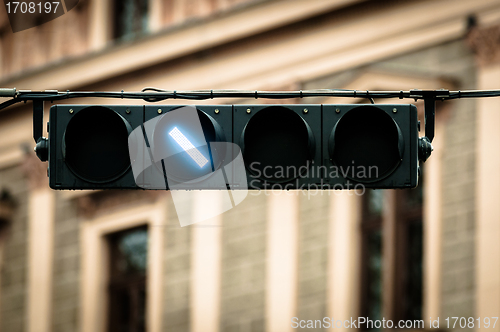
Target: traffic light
[[233, 146]]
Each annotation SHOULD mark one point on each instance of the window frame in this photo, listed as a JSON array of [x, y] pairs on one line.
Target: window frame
[[118, 281], [95, 264], [404, 219], [393, 251], [114, 24]]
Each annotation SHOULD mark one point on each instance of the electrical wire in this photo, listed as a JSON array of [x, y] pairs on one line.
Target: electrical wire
[[151, 94]]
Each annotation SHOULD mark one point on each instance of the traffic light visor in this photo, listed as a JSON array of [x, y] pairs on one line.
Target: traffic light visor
[[366, 144], [95, 144]]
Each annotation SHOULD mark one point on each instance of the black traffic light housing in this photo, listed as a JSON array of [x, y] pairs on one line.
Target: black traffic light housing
[[283, 146]]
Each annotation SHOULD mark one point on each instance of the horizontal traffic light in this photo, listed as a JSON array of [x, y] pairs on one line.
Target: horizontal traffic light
[[232, 147]]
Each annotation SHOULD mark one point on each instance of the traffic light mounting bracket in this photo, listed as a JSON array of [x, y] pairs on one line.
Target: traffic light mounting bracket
[[42, 143], [430, 96]]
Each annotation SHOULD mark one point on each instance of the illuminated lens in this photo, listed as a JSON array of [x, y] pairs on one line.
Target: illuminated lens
[[188, 147]]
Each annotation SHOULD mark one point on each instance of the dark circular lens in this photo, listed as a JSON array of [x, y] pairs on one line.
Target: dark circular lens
[[182, 163], [277, 144], [95, 144], [366, 144]]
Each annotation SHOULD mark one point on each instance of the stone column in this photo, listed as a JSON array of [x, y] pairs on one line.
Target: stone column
[[40, 245], [485, 41]]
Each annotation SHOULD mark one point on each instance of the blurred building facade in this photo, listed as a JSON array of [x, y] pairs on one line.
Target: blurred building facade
[[119, 261]]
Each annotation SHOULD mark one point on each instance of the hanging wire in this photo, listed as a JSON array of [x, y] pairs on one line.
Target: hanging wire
[[151, 94]]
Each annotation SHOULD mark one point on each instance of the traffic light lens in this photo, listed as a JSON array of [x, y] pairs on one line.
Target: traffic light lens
[[366, 144], [185, 150], [187, 146], [95, 144], [277, 144]]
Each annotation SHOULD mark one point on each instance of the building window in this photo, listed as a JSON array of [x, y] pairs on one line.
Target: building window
[[127, 280], [403, 267], [131, 18]]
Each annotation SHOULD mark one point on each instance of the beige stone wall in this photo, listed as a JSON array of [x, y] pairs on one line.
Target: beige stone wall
[[54, 41], [69, 36], [243, 298], [312, 295], [320, 53], [177, 272], [67, 267], [13, 286]]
